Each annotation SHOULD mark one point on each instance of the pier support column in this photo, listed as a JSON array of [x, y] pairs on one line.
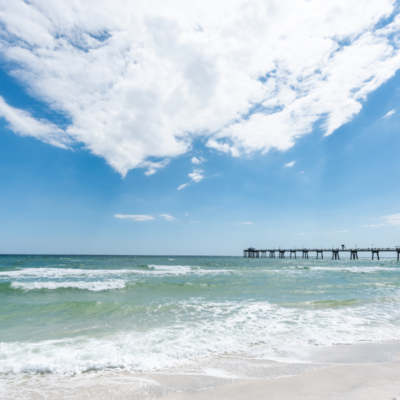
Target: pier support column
[[281, 253], [335, 255], [293, 252], [305, 254], [398, 255], [353, 255], [320, 252], [375, 252], [272, 254]]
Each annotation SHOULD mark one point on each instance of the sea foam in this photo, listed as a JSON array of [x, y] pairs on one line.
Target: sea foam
[[84, 285], [196, 330], [151, 270]]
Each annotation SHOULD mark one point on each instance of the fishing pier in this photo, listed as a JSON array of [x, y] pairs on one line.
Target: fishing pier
[[262, 253]]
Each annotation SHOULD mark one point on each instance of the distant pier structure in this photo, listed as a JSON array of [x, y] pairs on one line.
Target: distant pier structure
[[251, 252]]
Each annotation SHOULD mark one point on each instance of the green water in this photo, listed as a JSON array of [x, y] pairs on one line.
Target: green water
[[71, 314]]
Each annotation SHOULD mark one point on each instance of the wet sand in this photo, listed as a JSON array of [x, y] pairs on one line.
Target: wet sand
[[344, 382]]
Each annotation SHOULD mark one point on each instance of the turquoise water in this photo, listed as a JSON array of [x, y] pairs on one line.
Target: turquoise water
[[66, 315]]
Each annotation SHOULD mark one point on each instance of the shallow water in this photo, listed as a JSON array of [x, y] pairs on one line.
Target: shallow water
[[210, 318]]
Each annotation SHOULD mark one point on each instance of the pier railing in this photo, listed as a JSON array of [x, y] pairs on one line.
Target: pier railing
[[262, 253]]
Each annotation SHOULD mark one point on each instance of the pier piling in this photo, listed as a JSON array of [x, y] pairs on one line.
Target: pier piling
[[375, 252], [335, 255], [353, 255]]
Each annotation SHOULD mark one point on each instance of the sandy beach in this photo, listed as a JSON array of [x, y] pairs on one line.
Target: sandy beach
[[344, 382]]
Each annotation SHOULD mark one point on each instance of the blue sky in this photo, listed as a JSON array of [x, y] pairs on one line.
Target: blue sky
[[71, 161]]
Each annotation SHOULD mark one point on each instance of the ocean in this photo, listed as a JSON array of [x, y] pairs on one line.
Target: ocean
[[141, 327]]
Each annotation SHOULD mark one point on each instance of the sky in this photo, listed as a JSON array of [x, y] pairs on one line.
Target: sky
[[174, 128]]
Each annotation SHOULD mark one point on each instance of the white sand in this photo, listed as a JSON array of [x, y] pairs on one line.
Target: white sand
[[344, 382]]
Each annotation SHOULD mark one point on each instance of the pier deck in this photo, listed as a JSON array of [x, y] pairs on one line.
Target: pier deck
[[255, 253]]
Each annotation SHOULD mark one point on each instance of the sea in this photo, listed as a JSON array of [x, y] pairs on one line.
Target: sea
[[140, 327]]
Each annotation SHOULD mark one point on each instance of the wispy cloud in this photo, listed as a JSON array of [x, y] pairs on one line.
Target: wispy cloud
[[290, 164], [22, 123], [391, 112], [245, 223], [182, 186], [393, 219], [167, 217], [152, 167], [134, 217], [196, 160], [372, 226], [334, 232], [153, 84]]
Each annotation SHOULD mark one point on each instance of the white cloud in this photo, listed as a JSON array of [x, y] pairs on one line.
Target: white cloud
[[135, 217], [196, 175], [140, 81], [393, 219], [290, 164], [182, 186], [246, 223], [334, 232], [372, 226], [196, 160], [22, 123], [391, 112], [167, 217], [152, 167]]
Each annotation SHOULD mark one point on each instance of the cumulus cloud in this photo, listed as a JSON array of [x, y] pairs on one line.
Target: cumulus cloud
[[290, 164], [167, 217], [140, 81], [391, 112], [334, 232], [196, 175], [135, 217], [393, 219]]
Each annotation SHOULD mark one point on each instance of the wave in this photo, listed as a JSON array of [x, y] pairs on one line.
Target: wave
[[359, 270], [150, 270], [92, 286], [195, 330], [328, 303]]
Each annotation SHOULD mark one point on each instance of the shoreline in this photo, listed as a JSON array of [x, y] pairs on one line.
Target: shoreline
[[344, 382]]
